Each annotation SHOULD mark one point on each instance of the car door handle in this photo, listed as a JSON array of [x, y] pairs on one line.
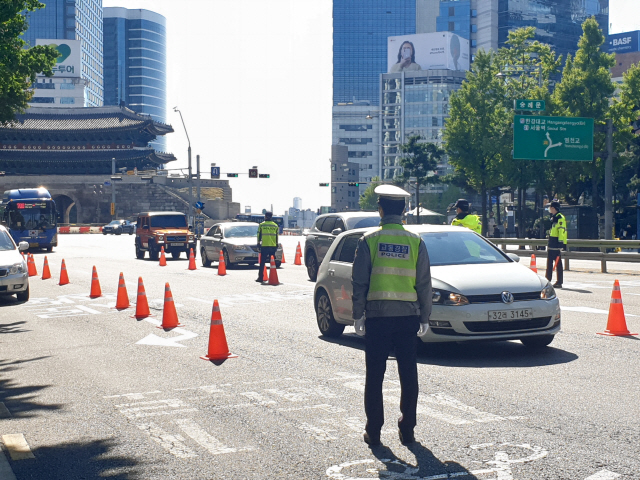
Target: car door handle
[[331, 271]]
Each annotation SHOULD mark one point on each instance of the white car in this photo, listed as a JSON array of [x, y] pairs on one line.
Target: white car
[[479, 292], [14, 276]]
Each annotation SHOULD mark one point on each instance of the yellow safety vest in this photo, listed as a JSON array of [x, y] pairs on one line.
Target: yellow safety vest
[[394, 257], [268, 231], [558, 233], [472, 222]]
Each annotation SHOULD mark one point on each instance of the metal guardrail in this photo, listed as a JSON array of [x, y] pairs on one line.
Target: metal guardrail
[[603, 245]]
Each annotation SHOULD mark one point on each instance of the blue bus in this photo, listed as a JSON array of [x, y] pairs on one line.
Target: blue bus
[[259, 218], [30, 216]]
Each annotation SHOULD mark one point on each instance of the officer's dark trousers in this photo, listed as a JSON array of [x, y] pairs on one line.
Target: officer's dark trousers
[[551, 260], [383, 334], [265, 257]]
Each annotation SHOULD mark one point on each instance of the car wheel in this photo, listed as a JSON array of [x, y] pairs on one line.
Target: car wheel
[[119, 232], [175, 255], [312, 266], [227, 262], [324, 315], [23, 296], [540, 341], [130, 232], [153, 253], [139, 253], [104, 233], [205, 260]]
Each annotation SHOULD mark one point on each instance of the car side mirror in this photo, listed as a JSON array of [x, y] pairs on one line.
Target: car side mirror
[[145, 227], [217, 235], [336, 231], [191, 228], [23, 246], [514, 257]]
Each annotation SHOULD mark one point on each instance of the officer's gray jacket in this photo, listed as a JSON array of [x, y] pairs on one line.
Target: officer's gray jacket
[[361, 275]]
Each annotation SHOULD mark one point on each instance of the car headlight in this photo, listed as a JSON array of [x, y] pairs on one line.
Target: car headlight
[[17, 268], [443, 297], [548, 292], [161, 238]]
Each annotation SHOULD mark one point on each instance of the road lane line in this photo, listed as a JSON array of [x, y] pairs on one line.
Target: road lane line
[[212, 444], [5, 469], [590, 310], [17, 446], [604, 475], [317, 432], [133, 396], [172, 443], [156, 414], [4, 411], [172, 402]]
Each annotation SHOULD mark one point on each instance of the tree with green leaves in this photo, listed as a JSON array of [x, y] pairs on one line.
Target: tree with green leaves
[[585, 91], [369, 200], [419, 161], [19, 66]]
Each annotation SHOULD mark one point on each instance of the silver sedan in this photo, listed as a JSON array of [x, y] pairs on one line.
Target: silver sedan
[[14, 277], [479, 292], [238, 242]]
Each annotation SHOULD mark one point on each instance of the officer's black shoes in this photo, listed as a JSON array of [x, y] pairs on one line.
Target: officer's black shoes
[[371, 440], [557, 285], [406, 438], [259, 280]]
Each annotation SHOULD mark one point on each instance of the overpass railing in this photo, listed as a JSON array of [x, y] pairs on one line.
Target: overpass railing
[[599, 250]]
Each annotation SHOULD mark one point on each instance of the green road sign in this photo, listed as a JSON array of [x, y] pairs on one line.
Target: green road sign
[[552, 138], [532, 105]]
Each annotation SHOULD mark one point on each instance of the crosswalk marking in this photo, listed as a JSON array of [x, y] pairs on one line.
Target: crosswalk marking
[[17, 446], [174, 444], [604, 475], [197, 433]]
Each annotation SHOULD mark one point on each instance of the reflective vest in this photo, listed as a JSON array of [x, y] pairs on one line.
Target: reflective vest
[[472, 222], [268, 233], [558, 232], [394, 256]]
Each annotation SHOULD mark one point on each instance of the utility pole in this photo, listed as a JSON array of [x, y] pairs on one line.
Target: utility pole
[[608, 184], [113, 189], [198, 177], [175, 109]]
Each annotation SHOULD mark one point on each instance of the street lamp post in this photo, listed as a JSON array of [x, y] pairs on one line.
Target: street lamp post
[[113, 190], [175, 109]]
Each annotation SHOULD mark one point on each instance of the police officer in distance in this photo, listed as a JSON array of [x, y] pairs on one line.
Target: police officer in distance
[[391, 281], [267, 241], [557, 243], [465, 219]]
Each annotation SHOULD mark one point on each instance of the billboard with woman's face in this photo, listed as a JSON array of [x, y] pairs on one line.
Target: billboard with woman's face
[[427, 51]]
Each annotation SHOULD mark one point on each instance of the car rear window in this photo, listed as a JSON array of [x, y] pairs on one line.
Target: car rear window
[[169, 221], [363, 222], [460, 248]]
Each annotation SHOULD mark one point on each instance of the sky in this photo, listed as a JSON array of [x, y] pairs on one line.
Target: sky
[[253, 81]]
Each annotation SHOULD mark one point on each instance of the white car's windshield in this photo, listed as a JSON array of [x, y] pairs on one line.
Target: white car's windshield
[[115, 222], [5, 242], [460, 248], [360, 222], [243, 231]]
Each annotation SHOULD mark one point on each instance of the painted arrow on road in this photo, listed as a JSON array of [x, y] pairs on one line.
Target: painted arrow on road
[[168, 342]]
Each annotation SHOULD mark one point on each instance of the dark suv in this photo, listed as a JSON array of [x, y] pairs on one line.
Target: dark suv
[[170, 230], [324, 231]]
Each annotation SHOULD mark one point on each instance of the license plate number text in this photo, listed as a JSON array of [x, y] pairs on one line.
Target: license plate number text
[[520, 314]]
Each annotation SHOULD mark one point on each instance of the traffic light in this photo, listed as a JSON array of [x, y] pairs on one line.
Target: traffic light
[[324, 184], [253, 173], [354, 184], [232, 175], [264, 175]]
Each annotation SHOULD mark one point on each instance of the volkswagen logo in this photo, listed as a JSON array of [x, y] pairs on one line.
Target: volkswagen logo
[[507, 297]]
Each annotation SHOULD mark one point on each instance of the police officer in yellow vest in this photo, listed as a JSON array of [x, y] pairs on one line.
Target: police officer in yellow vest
[[267, 241], [464, 219], [557, 243], [391, 281]]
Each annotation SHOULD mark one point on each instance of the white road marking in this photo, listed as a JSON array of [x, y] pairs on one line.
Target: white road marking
[[604, 475], [590, 310], [17, 446], [324, 406], [5, 469], [300, 394], [173, 402], [212, 444], [4, 411], [317, 432], [446, 400], [152, 339], [134, 396], [172, 443], [257, 398], [157, 414]]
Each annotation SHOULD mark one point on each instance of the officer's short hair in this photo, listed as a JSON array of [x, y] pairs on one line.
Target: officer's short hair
[[391, 206], [268, 215]]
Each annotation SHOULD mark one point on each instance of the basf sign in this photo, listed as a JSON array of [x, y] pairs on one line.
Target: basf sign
[[624, 42], [68, 63], [427, 51]]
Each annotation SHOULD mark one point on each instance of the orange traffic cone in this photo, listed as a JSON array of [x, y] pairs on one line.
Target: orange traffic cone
[[298, 259], [64, 278], [222, 266], [273, 272], [343, 294], [46, 273], [282, 261], [192, 260], [532, 264], [169, 314], [163, 258], [616, 323], [218, 348], [31, 266], [122, 300], [96, 291], [265, 275], [142, 305]]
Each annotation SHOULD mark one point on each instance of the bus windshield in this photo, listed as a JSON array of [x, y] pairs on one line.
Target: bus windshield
[[30, 215]]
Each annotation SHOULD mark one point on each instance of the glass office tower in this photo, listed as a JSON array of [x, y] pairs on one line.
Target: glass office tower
[[360, 31], [135, 62], [74, 20]]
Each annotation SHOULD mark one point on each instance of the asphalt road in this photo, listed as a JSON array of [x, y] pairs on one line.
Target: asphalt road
[[90, 392]]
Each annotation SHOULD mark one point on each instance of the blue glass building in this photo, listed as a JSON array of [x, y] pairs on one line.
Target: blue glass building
[[135, 62], [74, 20], [360, 31]]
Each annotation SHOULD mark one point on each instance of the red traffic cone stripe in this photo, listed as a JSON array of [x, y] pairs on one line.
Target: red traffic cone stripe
[[273, 272], [169, 314], [163, 258], [192, 260], [532, 264], [122, 301], [46, 273], [142, 305], [218, 347], [96, 291], [64, 278], [222, 266]]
